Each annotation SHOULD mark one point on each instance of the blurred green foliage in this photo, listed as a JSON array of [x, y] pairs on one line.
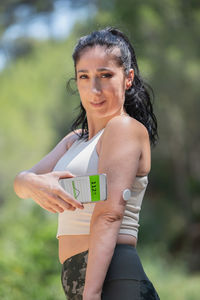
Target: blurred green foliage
[[36, 112]]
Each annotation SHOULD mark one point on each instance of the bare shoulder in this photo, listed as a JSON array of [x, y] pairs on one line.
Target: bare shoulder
[[71, 137], [66, 142], [123, 127], [121, 159], [47, 163]]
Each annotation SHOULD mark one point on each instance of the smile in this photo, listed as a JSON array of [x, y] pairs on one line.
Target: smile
[[97, 104]]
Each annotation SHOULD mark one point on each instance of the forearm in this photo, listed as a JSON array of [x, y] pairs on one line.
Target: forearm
[[21, 183], [103, 238]]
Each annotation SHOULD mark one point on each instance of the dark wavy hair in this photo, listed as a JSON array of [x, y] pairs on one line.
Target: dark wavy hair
[[138, 97]]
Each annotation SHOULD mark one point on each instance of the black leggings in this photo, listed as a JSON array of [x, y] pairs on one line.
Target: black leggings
[[125, 278]]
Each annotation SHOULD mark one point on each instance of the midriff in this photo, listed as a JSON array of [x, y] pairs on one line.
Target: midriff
[[70, 245]]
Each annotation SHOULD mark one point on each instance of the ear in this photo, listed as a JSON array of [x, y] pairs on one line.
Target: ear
[[129, 79]]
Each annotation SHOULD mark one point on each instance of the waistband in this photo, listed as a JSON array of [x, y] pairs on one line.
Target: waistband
[[118, 246], [125, 263]]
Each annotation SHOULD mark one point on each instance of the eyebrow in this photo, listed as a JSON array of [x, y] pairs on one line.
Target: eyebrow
[[99, 70]]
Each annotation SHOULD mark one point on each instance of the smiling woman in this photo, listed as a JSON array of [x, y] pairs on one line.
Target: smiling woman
[[102, 83], [97, 242]]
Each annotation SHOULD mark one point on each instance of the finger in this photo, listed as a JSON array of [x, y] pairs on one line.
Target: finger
[[64, 204], [72, 208], [63, 174], [59, 209], [68, 198], [47, 207], [51, 210], [41, 204], [57, 201], [56, 207]]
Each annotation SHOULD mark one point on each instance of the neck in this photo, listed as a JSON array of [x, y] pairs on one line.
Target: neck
[[95, 125]]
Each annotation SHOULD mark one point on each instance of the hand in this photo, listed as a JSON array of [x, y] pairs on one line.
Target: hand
[[46, 191]]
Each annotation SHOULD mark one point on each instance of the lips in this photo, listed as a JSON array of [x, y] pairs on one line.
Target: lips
[[97, 103]]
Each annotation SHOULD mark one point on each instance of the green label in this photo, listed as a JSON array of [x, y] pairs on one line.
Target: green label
[[74, 189], [94, 188]]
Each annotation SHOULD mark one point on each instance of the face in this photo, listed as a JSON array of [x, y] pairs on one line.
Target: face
[[101, 83]]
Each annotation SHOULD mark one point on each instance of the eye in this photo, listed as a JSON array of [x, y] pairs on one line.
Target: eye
[[106, 75], [83, 76]]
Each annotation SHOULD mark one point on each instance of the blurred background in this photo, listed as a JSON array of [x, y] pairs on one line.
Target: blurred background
[[36, 42]]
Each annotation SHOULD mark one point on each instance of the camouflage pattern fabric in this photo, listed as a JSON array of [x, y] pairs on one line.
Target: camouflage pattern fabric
[[73, 275]]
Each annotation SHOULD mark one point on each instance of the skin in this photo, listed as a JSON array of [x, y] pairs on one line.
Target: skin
[[122, 156], [101, 80]]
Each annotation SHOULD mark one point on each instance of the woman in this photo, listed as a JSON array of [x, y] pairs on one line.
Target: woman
[[97, 242]]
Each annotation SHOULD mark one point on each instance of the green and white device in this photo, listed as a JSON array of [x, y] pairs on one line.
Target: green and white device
[[86, 189]]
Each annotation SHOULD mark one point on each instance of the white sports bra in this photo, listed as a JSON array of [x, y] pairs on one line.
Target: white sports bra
[[82, 159]]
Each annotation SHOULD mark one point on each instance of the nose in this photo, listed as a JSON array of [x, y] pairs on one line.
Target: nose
[[96, 86]]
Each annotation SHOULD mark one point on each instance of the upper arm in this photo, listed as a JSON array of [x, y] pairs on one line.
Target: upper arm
[[47, 163], [119, 157]]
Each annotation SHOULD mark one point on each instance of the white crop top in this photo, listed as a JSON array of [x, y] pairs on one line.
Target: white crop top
[[82, 159]]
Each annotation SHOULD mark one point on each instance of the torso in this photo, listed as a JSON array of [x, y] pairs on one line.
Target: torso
[[70, 245]]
